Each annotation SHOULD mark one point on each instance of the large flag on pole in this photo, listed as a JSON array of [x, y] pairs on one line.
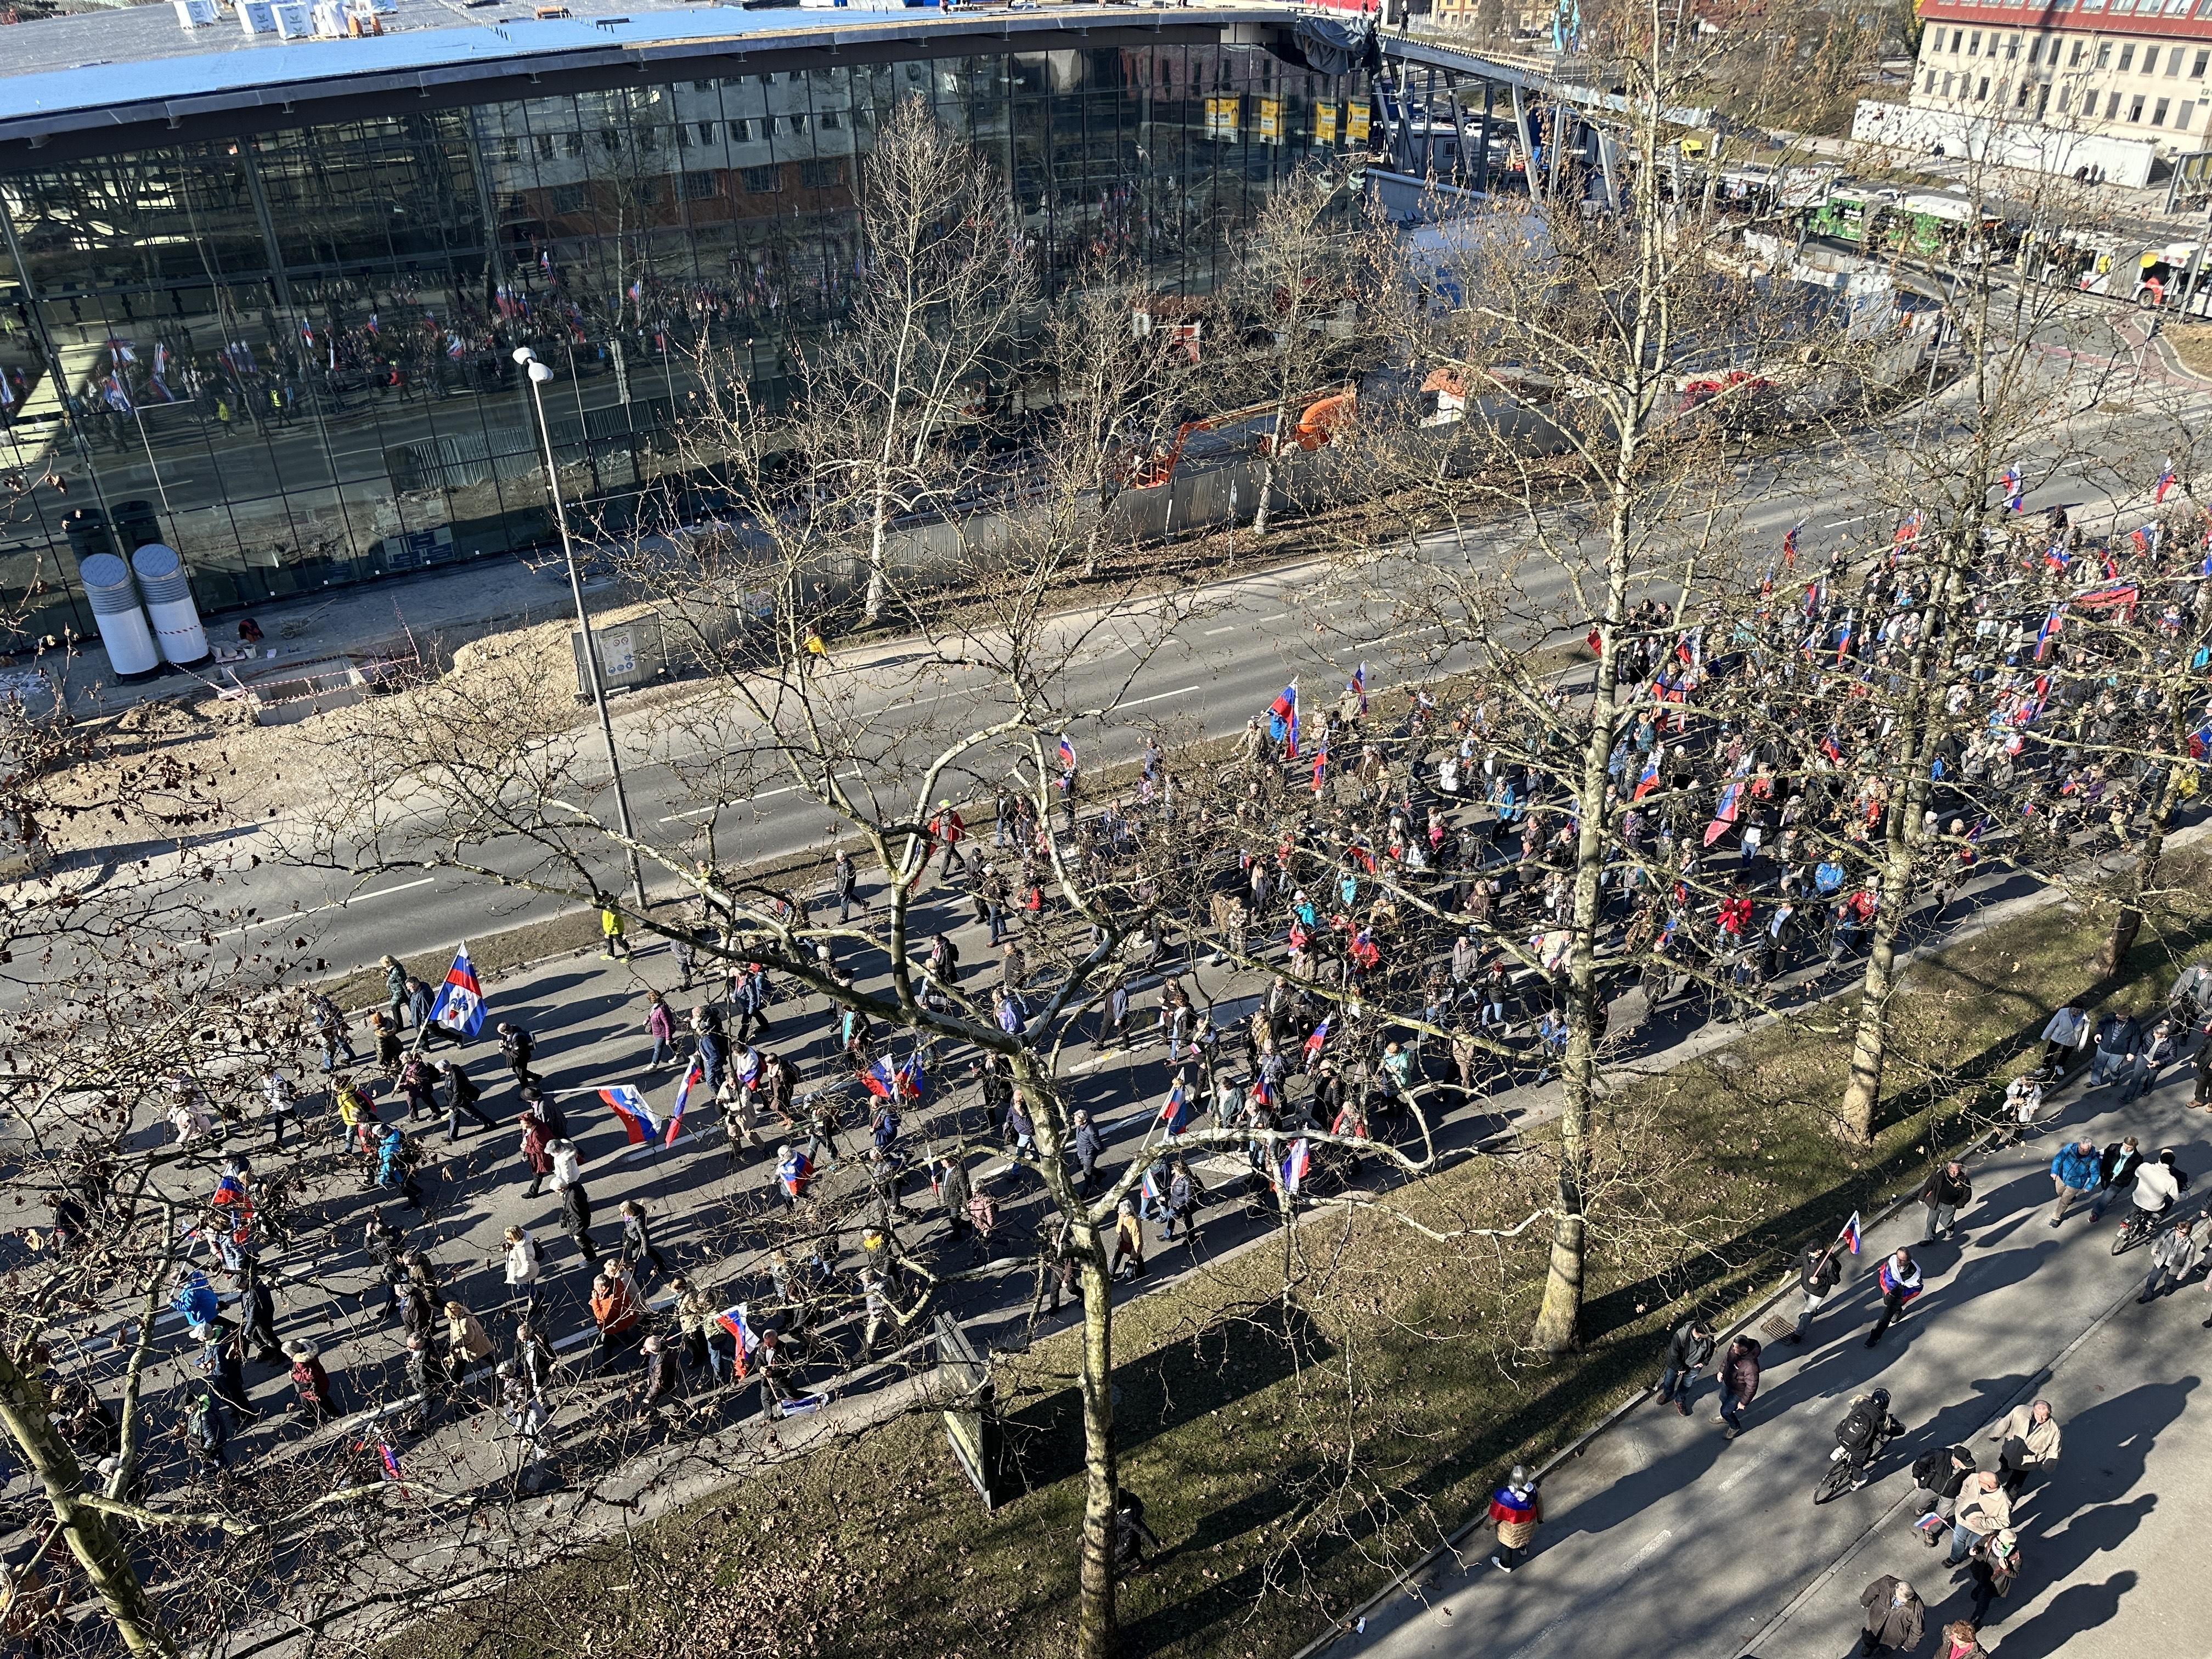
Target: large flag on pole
[[636, 1117], [692, 1075], [459, 1007]]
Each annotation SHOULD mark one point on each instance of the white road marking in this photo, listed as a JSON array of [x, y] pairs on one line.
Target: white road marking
[[1210, 632], [765, 795], [1159, 696], [1746, 1469], [282, 917]]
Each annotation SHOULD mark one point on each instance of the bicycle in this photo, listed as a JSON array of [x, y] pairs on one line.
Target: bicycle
[[1842, 1476], [2140, 1228]]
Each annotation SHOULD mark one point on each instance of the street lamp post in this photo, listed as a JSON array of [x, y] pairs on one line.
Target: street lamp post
[[539, 374]]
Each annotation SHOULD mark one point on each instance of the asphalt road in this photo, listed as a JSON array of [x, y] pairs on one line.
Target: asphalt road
[[1702, 1545]]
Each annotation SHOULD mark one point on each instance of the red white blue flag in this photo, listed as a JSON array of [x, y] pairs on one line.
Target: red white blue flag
[[1283, 720], [794, 1172], [2165, 481], [1066, 755], [1176, 1114], [1294, 1164], [459, 1007], [1647, 779], [1851, 1235], [629, 1108], [692, 1075], [1358, 686], [2052, 624], [739, 1326], [2015, 491]]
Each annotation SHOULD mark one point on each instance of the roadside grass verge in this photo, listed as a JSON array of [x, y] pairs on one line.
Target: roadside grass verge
[[1315, 1412]]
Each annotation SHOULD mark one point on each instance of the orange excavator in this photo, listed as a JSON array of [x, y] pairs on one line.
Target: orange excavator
[[1316, 425]]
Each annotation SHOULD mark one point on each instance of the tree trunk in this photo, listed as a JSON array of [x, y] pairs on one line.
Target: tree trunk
[[106, 1564], [1870, 1041], [1095, 1634], [2128, 923], [1267, 489], [873, 609]]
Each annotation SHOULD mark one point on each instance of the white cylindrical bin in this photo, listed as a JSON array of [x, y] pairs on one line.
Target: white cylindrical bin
[[115, 612], [169, 607]]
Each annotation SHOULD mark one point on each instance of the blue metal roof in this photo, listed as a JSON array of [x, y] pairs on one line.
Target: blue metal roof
[[138, 65]]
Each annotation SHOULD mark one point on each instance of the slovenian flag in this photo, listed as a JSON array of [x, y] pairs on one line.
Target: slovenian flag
[[1813, 598], [1294, 1164], [1283, 720], [1066, 755], [371, 325], [390, 1459], [880, 1080], [794, 1172], [636, 1117], [692, 1074], [1843, 640], [2165, 481], [2057, 556], [1832, 749], [2015, 491], [1314, 1044], [1851, 1235], [1647, 779], [1358, 686], [455, 348], [545, 260], [1176, 1114], [2052, 624], [740, 1328], [1789, 544], [460, 1005], [1909, 531], [1321, 769]]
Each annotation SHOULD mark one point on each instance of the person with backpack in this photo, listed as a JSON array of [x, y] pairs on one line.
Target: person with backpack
[[1861, 1430], [396, 1159]]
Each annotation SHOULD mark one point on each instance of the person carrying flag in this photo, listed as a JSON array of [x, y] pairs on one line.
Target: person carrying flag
[[1819, 1270]]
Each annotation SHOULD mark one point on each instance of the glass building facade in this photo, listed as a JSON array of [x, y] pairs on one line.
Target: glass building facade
[[287, 353]]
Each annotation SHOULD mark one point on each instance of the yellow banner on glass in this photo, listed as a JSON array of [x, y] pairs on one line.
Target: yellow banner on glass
[[1270, 124], [1221, 116], [1324, 124], [1355, 124]]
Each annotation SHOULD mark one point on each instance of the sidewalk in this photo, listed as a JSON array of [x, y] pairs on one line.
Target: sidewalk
[[1702, 1545]]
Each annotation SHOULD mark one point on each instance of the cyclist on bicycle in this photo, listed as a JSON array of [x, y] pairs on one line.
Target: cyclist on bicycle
[[2157, 1183], [1862, 1433]]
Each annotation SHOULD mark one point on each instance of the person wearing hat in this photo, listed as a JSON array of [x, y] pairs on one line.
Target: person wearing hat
[[1517, 1512], [1996, 1563], [311, 1383]]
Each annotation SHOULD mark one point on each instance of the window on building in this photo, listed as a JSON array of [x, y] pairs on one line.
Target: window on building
[[698, 186], [2012, 46], [798, 123], [702, 86], [2035, 51], [2074, 56], [828, 119], [1974, 44], [1982, 91], [2135, 108], [1928, 81], [2158, 112], [544, 143], [568, 198], [2104, 54], [2204, 7], [2127, 57], [573, 142], [2182, 116], [1947, 84], [2150, 60], [2203, 59], [2173, 62], [761, 181], [2065, 97], [706, 132], [741, 132], [821, 175], [1957, 36], [2113, 107], [2020, 98]]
